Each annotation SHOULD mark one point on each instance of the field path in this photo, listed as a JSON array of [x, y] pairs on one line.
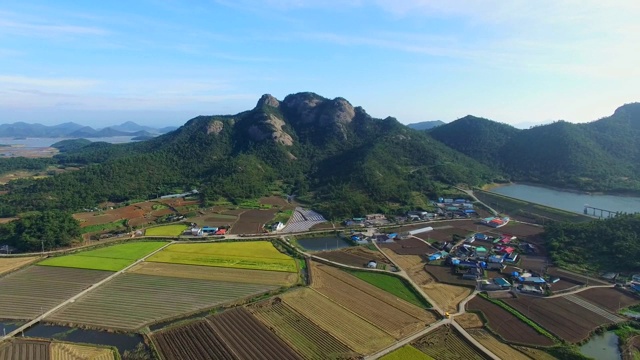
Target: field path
[[77, 296]]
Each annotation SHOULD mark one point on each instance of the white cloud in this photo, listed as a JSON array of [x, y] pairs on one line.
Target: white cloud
[[13, 81]]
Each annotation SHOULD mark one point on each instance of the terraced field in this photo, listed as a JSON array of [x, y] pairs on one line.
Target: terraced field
[[29, 292], [67, 351], [277, 278], [195, 341], [110, 258], [255, 255], [249, 338], [131, 301], [10, 264], [20, 349], [395, 316], [347, 327], [311, 341]]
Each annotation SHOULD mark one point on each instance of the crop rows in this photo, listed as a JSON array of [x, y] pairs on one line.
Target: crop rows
[[131, 301], [192, 342], [396, 317], [25, 350], [66, 351], [445, 343], [28, 293], [248, 337], [301, 333], [346, 326]]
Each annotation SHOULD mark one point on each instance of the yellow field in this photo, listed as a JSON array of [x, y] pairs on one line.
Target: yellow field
[[65, 351], [166, 230], [445, 296], [216, 273], [347, 327], [500, 349], [9, 264], [255, 255], [469, 321]]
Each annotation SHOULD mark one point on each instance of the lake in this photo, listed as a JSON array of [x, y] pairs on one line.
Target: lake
[[568, 200], [602, 347], [46, 142], [323, 243]]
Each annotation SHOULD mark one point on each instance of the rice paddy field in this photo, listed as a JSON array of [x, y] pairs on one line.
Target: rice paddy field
[[131, 301], [10, 264], [407, 352], [22, 349], [27, 293], [110, 258], [254, 255], [166, 230]]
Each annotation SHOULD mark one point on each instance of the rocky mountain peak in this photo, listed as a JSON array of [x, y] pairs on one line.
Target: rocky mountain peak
[[268, 100]]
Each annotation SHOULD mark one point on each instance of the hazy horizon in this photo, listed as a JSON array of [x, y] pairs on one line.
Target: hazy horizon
[[159, 62]]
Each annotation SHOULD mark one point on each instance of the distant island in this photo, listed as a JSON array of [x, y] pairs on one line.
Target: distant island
[[22, 130]]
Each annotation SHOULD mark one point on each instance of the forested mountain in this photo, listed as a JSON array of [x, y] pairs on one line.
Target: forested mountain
[[426, 125], [73, 130], [603, 155], [326, 151]]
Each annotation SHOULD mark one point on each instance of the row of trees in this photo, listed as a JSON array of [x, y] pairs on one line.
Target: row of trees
[[45, 230]]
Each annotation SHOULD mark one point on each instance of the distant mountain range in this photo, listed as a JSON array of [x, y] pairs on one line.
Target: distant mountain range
[[426, 125], [73, 130]]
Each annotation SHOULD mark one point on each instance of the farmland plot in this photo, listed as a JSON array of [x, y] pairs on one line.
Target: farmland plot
[[166, 230], [507, 325], [20, 349], [560, 316], [248, 337], [611, 299], [10, 264], [395, 316], [192, 342], [411, 246], [445, 343], [110, 258], [407, 352], [346, 326], [444, 295], [500, 349], [131, 301], [277, 278], [67, 351], [256, 255], [354, 256], [252, 221], [27, 293], [299, 332]]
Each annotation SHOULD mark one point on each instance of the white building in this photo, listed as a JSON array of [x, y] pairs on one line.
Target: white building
[[277, 226]]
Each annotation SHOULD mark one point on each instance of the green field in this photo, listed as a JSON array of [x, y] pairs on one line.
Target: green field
[[392, 285], [111, 258], [166, 230], [120, 224], [256, 255], [407, 352]]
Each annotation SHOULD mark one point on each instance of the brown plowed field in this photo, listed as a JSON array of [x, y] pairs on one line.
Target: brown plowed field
[[278, 278], [609, 298], [573, 277], [559, 316], [249, 338], [29, 292], [507, 325], [409, 246], [311, 341], [19, 349], [195, 341], [251, 221], [445, 343], [500, 349], [10, 264], [175, 202], [354, 256], [346, 326], [395, 316], [563, 285], [445, 274], [521, 230], [442, 234], [276, 201], [444, 295]]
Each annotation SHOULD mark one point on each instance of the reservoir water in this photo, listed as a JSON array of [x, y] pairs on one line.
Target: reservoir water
[[602, 347], [568, 200], [323, 243], [122, 342]]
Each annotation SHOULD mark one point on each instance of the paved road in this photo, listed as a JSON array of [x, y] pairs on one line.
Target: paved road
[[470, 193], [76, 297]]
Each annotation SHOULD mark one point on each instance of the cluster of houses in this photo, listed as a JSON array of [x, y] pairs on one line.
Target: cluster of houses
[[495, 222], [206, 231]]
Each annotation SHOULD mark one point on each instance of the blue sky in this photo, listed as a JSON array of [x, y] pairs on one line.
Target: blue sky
[[162, 62]]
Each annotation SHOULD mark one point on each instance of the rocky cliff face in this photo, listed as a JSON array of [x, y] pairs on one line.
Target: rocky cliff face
[[270, 127]]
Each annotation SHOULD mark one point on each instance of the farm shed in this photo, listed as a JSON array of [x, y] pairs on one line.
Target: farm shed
[[421, 230], [372, 264], [502, 282], [208, 229], [480, 236], [436, 256], [533, 280]]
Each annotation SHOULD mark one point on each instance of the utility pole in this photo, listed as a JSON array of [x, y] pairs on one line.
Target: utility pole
[[42, 241]]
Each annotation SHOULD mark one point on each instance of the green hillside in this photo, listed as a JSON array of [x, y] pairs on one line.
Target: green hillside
[[599, 156], [325, 151]]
